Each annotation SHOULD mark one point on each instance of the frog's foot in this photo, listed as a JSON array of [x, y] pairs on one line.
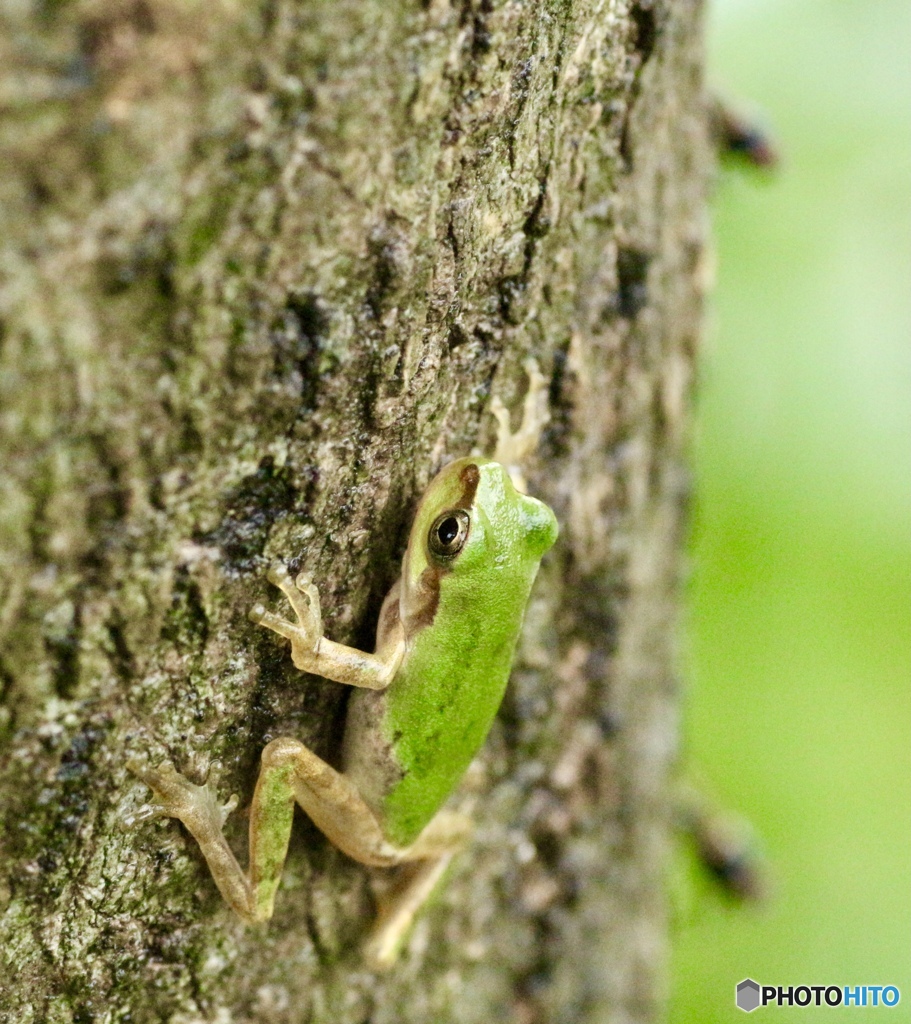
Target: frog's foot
[[304, 599], [176, 797], [513, 448], [197, 807], [423, 867], [398, 910]]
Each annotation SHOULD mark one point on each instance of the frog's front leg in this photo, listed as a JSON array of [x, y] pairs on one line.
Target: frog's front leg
[[313, 652]]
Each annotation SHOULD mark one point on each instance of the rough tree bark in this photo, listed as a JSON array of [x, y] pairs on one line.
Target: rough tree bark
[[263, 267]]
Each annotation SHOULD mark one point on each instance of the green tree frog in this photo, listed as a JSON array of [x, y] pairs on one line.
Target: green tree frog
[[423, 701]]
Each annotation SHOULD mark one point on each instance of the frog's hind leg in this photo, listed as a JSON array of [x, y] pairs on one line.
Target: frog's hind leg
[[290, 772], [331, 801], [424, 864], [336, 807]]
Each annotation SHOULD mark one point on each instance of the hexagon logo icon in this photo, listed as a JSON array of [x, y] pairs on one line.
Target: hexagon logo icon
[[747, 997]]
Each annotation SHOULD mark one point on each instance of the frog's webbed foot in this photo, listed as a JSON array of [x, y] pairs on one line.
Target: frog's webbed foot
[[197, 807], [303, 597], [514, 447], [176, 797]]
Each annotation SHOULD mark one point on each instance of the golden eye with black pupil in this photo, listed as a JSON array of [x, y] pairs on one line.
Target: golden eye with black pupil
[[449, 532]]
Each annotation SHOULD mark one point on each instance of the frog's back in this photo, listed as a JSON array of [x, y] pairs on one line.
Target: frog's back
[[440, 710], [462, 616]]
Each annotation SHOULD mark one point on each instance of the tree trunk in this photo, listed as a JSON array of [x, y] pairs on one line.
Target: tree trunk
[[263, 268]]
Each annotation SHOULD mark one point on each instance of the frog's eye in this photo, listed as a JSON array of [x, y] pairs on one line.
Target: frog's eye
[[449, 532]]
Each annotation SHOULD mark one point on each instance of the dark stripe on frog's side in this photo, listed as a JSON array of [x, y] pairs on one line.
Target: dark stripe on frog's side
[[389, 615], [470, 477], [428, 587], [429, 581]]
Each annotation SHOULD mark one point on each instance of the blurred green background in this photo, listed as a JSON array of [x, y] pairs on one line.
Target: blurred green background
[[799, 628]]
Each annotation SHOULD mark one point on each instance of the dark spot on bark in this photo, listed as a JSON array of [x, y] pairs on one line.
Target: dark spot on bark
[[108, 501], [388, 260], [382, 282], [151, 258], [511, 290], [47, 862], [646, 32], [311, 319], [7, 686], [451, 238], [250, 510], [85, 1013], [121, 656], [626, 145], [457, 336], [608, 723], [83, 743], [61, 633], [558, 429], [190, 439], [632, 273], [596, 606], [64, 650], [532, 985], [47, 821], [71, 771], [646, 24], [100, 33], [186, 622], [477, 18], [296, 344], [536, 225], [39, 191], [238, 152]]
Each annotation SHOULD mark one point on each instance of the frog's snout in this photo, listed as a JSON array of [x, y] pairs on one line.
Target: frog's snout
[[540, 524]]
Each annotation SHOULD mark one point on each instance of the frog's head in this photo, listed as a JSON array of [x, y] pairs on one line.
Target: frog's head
[[476, 534]]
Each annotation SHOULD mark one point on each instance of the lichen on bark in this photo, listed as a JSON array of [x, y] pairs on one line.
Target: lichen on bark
[[262, 268]]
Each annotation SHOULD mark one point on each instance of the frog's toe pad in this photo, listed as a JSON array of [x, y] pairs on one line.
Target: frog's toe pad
[[278, 575], [177, 797]]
